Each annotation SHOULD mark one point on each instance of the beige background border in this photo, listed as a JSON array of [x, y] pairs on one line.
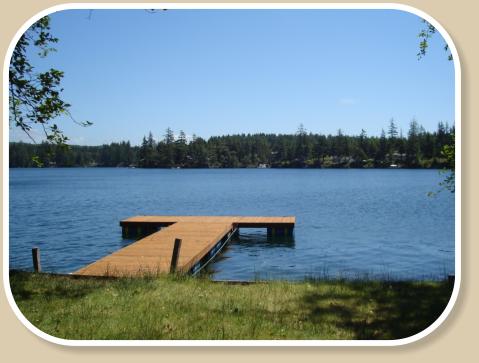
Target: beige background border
[[453, 340]]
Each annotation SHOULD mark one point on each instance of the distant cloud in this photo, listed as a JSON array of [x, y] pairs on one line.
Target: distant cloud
[[348, 101]]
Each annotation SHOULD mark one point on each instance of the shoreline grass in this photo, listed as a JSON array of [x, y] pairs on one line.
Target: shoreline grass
[[183, 307]]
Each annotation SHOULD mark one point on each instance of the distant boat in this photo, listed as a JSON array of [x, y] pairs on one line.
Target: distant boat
[[393, 166], [263, 166]]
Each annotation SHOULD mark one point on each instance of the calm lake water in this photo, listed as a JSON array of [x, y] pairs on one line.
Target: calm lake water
[[349, 223]]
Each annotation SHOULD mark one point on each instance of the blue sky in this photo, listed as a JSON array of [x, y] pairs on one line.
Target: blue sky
[[215, 72]]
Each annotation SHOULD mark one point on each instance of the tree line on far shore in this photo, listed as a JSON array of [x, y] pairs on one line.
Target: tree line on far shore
[[418, 149]]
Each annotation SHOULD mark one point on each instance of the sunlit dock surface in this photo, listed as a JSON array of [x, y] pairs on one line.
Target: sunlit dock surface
[[202, 237]]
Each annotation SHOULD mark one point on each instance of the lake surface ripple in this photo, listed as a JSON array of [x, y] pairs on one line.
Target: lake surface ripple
[[349, 223]]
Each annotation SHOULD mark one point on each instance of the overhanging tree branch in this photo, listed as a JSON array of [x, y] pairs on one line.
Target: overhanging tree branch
[[35, 98]]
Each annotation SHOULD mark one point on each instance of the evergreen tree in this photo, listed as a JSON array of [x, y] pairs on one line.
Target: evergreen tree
[[413, 146], [303, 147], [392, 130], [363, 144], [166, 150], [169, 137], [199, 153], [418, 149], [181, 149], [382, 150], [392, 140]]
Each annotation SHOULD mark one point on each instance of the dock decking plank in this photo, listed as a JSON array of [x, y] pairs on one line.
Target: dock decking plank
[[152, 254]]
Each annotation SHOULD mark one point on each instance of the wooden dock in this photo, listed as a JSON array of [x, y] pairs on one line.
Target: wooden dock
[[202, 238]]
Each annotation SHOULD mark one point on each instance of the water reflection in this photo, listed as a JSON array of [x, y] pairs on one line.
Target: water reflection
[[244, 238], [132, 234], [254, 248], [260, 239], [344, 217]]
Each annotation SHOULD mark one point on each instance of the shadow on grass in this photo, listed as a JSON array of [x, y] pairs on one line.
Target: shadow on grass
[[19, 286], [329, 309], [379, 310], [24, 286]]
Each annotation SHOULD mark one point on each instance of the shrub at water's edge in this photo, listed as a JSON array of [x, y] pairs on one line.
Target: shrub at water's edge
[[178, 307]]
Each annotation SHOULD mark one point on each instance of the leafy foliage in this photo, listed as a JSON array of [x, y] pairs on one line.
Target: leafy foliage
[[448, 150], [425, 34], [34, 98], [449, 153]]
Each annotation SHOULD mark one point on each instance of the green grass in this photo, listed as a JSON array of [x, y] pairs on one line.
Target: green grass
[[175, 307]]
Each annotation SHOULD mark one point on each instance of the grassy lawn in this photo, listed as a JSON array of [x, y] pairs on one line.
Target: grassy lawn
[[173, 307]]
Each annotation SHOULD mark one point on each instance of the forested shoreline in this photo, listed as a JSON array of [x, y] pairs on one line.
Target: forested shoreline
[[417, 149]]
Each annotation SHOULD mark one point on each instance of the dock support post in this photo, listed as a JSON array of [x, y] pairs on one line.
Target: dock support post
[[36, 259], [271, 231], [175, 255]]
